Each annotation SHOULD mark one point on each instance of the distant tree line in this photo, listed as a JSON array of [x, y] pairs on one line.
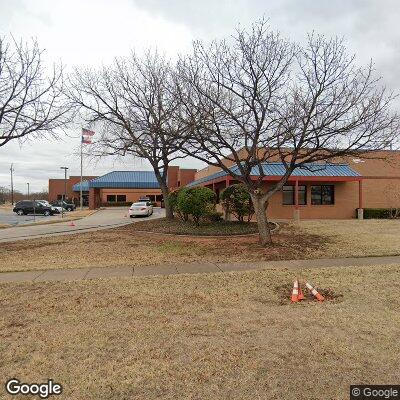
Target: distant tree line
[[5, 195]]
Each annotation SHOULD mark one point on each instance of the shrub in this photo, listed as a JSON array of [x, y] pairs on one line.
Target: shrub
[[214, 216], [236, 199], [197, 202], [381, 213], [173, 200]]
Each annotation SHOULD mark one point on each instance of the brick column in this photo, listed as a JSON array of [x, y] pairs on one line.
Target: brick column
[[92, 199], [360, 210], [296, 211]]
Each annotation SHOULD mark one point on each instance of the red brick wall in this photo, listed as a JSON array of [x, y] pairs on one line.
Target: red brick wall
[[56, 186]]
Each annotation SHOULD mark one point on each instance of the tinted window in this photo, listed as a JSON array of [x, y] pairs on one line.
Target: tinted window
[[121, 197], [111, 198], [288, 193], [25, 203], [323, 195]]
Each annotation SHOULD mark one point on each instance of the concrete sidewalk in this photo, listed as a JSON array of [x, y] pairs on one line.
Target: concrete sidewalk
[[163, 270]]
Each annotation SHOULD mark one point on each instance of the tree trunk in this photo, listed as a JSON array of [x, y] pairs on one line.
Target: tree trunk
[[260, 207], [168, 210]]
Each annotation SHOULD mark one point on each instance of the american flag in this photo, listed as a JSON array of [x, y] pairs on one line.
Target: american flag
[[87, 136]]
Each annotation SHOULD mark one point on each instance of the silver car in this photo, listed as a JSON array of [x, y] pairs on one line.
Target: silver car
[[141, 209], [57, 210]]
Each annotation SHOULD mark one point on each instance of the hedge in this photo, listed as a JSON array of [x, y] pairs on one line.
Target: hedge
[[381, 213]]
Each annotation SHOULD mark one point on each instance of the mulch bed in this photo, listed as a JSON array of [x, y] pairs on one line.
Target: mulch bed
[[179, 227]]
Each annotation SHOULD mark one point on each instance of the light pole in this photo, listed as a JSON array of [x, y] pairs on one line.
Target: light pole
[[12, 184], [65, 189], [28, 189]]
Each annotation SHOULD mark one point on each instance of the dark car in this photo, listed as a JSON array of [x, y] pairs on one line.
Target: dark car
[[26, 207], [61, 203]]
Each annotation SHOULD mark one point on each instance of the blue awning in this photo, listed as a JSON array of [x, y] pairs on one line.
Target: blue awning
[[77, 186], [278, 169], [126, 180]]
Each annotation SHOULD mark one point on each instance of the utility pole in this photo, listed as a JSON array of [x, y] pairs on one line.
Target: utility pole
[[12, 184], [28, 189], [65, 188]]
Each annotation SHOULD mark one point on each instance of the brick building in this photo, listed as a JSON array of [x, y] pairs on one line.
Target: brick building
[[118, 186], [335, 190]]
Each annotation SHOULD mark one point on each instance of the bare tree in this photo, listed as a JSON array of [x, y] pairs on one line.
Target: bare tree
[[260, 98], [134, 106], [31, 101]]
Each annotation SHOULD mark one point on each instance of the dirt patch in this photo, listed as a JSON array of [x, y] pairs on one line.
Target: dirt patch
[[284, 293]]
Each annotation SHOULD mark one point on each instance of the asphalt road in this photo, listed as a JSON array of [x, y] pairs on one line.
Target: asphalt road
[[103, 219], [10, 218]]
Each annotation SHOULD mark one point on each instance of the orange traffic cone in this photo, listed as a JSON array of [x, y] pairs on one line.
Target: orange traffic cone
[[301, 295], [318, 296], [295, 292]]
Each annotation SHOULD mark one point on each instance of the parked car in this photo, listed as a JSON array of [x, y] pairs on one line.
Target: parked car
[[26, 207], [61, 203], [142, 209], [57, 210]]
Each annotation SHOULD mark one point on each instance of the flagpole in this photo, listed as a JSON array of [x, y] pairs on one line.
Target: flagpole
[[81, 198]]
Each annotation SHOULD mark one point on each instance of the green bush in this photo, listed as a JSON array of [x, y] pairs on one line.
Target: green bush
[[381, 213], [236, 200], [173, 200], [214, 216], [197, 202]]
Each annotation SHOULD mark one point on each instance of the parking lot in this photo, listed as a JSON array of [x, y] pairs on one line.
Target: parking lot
[[7, 217]]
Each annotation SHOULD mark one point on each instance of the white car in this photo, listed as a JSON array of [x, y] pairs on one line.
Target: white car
[[142, 209]]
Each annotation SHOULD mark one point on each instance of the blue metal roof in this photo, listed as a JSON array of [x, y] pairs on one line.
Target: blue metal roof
[[77, 187], [278, 169], [126, 180]]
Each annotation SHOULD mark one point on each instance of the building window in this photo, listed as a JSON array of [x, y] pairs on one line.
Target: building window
[[121, 198], [159, 198], [111, 198], [152, 197], [323, 194], [288, 193]]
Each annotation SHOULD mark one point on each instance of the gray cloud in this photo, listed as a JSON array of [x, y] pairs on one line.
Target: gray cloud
[[101, 29]]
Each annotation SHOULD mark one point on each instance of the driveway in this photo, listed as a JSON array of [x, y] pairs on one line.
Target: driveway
[[102, 219]]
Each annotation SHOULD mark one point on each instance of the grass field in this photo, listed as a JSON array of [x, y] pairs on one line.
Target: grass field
[[216, 336], [125, 246], [356, 238]]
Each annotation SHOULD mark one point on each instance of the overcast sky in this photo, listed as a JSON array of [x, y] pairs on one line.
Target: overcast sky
[[93, 32]]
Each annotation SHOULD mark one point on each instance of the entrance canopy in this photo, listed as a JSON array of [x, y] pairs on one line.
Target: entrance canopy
[[121, 180]]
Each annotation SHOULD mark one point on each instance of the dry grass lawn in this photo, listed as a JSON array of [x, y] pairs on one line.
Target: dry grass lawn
[[215, 336], [125, 247], [353, 238]]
